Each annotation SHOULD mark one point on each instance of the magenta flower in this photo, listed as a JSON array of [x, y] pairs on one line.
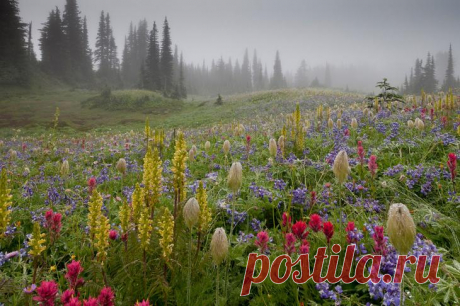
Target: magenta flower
[[46, 293], [286, 221], [372, 165], [113, 235], [262, 241], [143, 303], [315, 223], [67, 296], [304, 247], [452, 165], [289, 246], [328, 230], [380, 241], [299, 229], [90, 302], [91, 185], [361, 152], [73, 271], [106, 297]]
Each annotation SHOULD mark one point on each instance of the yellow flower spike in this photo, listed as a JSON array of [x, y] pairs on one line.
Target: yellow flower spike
[[166, 231], [73, 257], [52, 268], [145, 229], [138, 202], [5, 203], [205, 212], [102, 238], [94, 208], [36, 241], [124, 215], [179, 165]]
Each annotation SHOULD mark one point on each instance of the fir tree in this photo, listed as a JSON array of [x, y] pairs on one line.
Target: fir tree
[[278, 80], [246, 74], [429, 78], [166, 62], [152, 78], [182, 88], [13, 51], [72, 24], [449, 80], [301, 79], [53, 47]]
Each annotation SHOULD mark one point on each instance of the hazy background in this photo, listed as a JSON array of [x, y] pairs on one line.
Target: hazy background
[[378, 38]]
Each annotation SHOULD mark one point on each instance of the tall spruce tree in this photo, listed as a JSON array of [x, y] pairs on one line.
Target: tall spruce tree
[[30, 46], [72, 24], [429, 78], [277, 80], [301, 78], [53, 46], [14, 63], [449, 80], [87, 64], [182, 88], [246, 79], [166, 61], [152, 79]]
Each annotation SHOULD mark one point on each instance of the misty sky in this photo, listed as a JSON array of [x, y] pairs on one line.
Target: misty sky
[[385, 36]]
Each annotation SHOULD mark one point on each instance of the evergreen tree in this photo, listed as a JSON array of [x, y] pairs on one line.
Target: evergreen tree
[[246, 81], [87, 64], [166, 61], [429, 78], [152, 79], [449, 80], [406, 86], [182, 88], [53, 47], [101, 51], [30, 46], [278, 80], [301, 79], [72, 24], [13, 50]]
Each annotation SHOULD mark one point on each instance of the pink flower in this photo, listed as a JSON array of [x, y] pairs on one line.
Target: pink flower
[[46, 293], [91, 185], [73, 271], [113, 235], [299, 229], [315, 223], [351, 235], [143, 303], [66, 296], [305, 247], [262, 241], [73, 302], [312, 198], [286, 221], [346, 132], [289, 246], [328, 230], [53, 223], [452, 165], [380, 242], [90, 302], [372, 165], [124, 237], [361, 152], [106, 297]]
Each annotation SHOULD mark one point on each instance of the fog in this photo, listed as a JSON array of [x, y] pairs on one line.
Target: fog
[[371, 39]]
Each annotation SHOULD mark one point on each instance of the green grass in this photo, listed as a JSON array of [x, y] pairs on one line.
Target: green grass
[[128, 109]]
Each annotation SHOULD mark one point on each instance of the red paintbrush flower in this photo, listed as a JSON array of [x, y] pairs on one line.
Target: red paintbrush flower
[[47, 293], [73, 271], [299, 229], [305, 247], [372, 165], [361, 152], [106, 297], [91, 185], [328, 230], [315, 223], [90, 302], [452, 165], [262, 241], [380, 242], [289, 246]]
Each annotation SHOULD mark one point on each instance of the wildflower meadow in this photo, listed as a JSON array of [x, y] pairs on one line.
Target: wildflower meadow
[[158, 216]]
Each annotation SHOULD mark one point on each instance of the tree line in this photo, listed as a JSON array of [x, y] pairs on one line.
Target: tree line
[[423, 76]]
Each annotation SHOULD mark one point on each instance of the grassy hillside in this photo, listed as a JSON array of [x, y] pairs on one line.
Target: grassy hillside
[[83, 110]]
